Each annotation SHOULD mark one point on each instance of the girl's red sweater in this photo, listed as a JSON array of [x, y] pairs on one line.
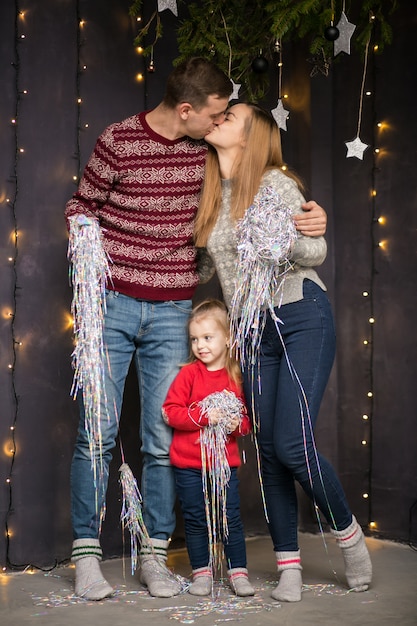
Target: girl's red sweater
[[181, 411]]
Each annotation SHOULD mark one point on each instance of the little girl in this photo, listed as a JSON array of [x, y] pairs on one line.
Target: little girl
[[211, 370]]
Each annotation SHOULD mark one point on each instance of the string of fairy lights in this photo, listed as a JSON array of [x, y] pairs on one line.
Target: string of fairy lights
[[377, 244], [11, 312]]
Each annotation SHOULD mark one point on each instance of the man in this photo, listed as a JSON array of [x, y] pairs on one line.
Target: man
[[142, 185]]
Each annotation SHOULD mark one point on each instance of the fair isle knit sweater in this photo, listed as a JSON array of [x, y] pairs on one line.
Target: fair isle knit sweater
[[306, 253], [144, 190]]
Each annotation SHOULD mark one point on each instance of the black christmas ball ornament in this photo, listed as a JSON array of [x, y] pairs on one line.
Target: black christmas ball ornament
[[331, 33], [260, 64]]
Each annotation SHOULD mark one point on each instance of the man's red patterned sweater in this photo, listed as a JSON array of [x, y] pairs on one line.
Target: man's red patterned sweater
[[144, 190], [181, 411]]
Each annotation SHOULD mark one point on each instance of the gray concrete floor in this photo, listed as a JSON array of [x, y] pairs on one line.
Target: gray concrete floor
[[47, 599]]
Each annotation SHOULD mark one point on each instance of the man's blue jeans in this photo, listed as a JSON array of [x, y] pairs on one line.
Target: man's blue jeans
[[155, 334], [189, 486], [285, 408]]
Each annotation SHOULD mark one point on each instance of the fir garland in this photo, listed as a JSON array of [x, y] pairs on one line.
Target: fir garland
[[234, 32]]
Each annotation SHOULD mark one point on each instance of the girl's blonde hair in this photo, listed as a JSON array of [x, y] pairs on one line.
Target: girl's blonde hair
[[262, 153], [216, 310]]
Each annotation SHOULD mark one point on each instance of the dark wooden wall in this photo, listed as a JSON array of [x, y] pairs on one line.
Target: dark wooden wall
[[38, 420]]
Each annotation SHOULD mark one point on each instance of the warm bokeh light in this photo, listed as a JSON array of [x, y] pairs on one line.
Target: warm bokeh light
[[9, 448], [68, 322]]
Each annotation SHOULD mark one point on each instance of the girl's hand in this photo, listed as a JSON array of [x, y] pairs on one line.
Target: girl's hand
[[232, 424], [214, 417]]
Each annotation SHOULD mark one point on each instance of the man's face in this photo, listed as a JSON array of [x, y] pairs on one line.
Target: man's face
[[199, 123]]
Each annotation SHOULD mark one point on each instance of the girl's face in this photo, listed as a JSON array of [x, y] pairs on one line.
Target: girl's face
[[230, 134], [209, 343]]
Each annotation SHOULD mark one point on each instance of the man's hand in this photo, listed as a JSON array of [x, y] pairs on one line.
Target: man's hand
[[312, 222]]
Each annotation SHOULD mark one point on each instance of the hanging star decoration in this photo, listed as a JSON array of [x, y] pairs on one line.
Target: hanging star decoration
[[356, 148], [168, 4], [346, 29], [235, 93], [320, 63], [280, 115]]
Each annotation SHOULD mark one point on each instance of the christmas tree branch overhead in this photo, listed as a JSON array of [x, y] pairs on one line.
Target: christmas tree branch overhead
[[235, 33]]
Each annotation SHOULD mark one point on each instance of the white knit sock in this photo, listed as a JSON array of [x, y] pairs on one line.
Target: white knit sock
[[290, 581], [89, 581], [154, 573], [239, 581], [358, 566], [202, 584]]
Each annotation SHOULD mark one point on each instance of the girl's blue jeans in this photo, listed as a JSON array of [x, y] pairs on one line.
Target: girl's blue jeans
[[285, 404], [155, 335], [189, 486]]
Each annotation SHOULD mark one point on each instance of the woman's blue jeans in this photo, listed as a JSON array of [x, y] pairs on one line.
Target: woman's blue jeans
[[285, 405], [189, 486], [155, 335]]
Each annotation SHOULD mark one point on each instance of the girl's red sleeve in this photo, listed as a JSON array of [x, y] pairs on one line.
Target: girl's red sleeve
[[178, 410]]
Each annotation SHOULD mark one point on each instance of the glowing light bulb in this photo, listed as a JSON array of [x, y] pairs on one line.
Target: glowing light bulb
[[365, 495], [365, 293], [372, 525], [370, 394], [364, 442], [365, 342], [383, 244], [139, 77], [285, 95], [365, 417], [372, 320], [382, 220]]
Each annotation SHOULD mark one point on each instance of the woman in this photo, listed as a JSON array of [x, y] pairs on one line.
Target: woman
[[288, 370]]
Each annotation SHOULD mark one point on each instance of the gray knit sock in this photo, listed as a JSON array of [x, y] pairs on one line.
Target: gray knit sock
[[239, 581], [290, 581], [358, 566], [202, 584], [89, 581], [154, 573]]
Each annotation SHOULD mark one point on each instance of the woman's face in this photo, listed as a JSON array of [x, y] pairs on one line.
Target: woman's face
[[230, 134]]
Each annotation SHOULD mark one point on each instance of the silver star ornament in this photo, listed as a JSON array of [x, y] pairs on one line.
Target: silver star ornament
[[168, 4], [280, 115], [356, 148], [235, 93], [342, 43]]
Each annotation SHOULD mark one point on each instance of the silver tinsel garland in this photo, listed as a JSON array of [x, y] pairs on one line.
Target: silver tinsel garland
[[215, 466], [131, 516], [265, 237], [89, 271]]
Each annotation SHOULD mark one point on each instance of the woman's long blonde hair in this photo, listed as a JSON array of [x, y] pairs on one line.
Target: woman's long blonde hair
[[216, 309], [262, 152]]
